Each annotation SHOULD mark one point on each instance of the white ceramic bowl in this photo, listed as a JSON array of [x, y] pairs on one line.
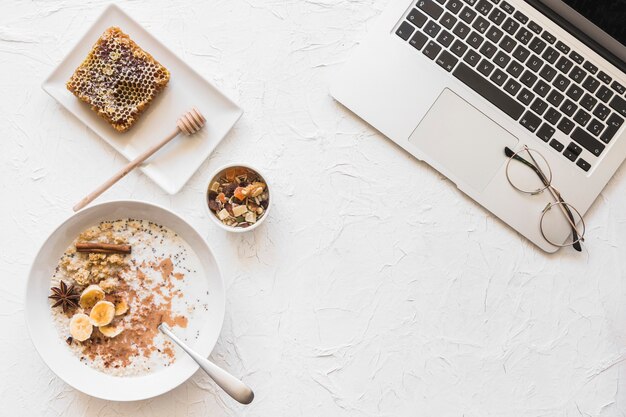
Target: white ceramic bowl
[[213, 216], [65, 363]]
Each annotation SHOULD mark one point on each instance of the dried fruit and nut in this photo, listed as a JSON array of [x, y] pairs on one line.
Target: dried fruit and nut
[[238, 196]]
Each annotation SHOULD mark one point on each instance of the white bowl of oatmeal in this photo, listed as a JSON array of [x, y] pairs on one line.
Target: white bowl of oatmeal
[[237, 198], [105, 342]]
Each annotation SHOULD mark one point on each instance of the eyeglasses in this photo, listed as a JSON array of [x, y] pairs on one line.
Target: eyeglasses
[[529, 172]]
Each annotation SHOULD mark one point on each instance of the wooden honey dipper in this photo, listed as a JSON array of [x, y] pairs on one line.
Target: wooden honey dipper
[[189, 123]]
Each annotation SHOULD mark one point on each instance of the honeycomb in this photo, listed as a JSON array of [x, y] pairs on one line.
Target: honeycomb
[[118, 79]]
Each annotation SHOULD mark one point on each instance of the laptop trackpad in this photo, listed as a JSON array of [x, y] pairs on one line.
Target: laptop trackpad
[[457, 136]]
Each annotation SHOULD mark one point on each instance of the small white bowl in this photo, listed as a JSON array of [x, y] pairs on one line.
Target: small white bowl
[[214, 217]]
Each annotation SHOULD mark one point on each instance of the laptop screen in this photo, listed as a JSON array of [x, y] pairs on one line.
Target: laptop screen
[[603, 21]]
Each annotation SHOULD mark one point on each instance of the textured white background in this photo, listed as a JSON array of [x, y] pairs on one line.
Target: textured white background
[[375, 288]]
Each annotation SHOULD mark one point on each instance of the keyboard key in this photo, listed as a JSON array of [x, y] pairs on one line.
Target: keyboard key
[[569, 155], [470, 2], [541, 88], [595, 127], [467, 15], [418, 40], [550, 55], [417, 18], [507, 7], [481, 24], [587, 141], [552, 116], [501, 59], [494, 34], [441, 1], [512, 86], [539, 106], [534, 63], [566, 125], [458, 48], [577, 74], [454, 6], [590, 67], [489, 91], [445, 38], [575, 92], [431, 50], [537, 45], [545, 132], [461, 30], [619, 105], [588, 102], [561, 83], [575, 149], [547, 73], [604, 77], [576, 57], [524, 36], [535, 27], [618, 87], [432, 29], [446, 61], [528, 78], [521, 53], [498, 77], [475, 40], [485, 67], [530, 121], [484, 7], [569, 108], [515, 69], [582, 117], [604, 94], [562, 47], [525, 96], [405, 30], [601, 112], [550, 38], [448, 20], [510, 26], [564, 65], [497, 16], [555, 98], [557, 145], [583, 164], [612, 126], [472, 58], [508, 44], [488, 49], [431, 8], [521, 17], [591, 84]]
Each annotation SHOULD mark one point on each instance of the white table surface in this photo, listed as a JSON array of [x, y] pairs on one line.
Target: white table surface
[[375, 288]]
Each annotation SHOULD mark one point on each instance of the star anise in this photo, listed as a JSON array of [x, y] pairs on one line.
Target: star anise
[[65, 296]]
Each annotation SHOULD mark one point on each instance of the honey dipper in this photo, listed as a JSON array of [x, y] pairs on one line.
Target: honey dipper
[[189, 123]]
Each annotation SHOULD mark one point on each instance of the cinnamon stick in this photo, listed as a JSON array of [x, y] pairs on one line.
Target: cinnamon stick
[[95, 247]]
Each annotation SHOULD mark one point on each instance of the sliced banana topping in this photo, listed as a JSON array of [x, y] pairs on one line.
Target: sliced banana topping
[[90, 296], [121, 307], [102, 313], [80, 327], [111, 330]]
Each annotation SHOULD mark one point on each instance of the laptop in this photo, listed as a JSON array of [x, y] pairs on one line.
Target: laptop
[[456, 82]]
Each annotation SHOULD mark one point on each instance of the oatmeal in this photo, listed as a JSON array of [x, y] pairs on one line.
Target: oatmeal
[[109, 296]]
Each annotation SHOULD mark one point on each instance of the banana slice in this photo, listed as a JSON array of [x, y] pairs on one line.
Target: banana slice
[[102, 313], [110, 330], [80, 327], [121, 307], [91, 295]]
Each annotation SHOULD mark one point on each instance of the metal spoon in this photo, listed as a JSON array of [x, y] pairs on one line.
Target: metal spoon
[[231, 385]]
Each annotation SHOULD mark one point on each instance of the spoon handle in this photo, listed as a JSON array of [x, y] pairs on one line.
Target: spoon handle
[[231, 385]]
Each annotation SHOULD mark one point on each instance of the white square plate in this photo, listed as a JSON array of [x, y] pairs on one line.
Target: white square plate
[[173, 165]]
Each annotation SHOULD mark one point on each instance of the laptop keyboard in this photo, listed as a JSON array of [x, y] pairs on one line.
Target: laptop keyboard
[[523, 70]]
